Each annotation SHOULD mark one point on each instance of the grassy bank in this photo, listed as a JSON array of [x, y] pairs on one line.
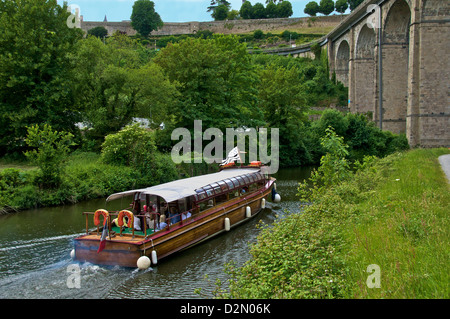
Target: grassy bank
[[85, 177], [393, 213]]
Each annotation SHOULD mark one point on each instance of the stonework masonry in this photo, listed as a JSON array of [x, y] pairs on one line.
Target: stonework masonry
[[225, 27], [409, 80], [394, 56]]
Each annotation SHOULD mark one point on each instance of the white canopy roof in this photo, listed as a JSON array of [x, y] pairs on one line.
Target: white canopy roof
[[185, 187]]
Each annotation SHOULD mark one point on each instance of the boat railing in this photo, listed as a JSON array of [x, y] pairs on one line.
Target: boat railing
[[113, 214]]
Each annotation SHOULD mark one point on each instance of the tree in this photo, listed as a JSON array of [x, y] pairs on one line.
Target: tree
[[216, 3], [220, 12], [50, 148], [99, 32], [311, 8], [259, 12], [216, 80], [144, 18], [326, 7], [35, 43], [112, 85], [284, 9], [341, 6], [281, 96], [271, 10], [246, 10]]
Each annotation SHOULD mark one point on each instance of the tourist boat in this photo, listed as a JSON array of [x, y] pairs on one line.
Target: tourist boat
[[173, 216]]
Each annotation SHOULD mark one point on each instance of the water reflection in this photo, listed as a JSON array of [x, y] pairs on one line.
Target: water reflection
[[35, 247]]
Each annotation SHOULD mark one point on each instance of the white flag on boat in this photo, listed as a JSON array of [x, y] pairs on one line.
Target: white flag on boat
[[233, 156]]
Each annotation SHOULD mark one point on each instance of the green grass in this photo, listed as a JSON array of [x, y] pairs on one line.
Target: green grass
[[404, 229]]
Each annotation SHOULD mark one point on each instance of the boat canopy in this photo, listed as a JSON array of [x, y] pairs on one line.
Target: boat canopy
[[196, 186]]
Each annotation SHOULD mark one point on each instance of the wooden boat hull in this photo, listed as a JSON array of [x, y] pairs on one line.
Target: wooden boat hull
[[126, 250]]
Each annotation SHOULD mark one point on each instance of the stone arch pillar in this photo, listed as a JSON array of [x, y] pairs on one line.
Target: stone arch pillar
[[365, 71], [395, 55], [342, 62]]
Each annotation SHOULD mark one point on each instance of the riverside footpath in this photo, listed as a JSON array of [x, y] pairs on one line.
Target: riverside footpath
[[445, 164]]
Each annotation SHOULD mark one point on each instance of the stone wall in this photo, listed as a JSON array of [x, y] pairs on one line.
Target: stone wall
[[226, 27]]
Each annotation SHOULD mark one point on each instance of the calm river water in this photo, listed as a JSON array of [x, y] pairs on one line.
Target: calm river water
[[35, 258]]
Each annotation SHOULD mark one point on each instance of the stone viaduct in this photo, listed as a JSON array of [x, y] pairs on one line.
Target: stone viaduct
[[394, 57]]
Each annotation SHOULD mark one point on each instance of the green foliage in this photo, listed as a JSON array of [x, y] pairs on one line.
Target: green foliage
[[128, 147], [258, 34], [284, 9], [326, 7], [144, 18], [113, 84], [384, 213], [50, 151], [246, 10], [220, 13], [216, 80], [34, 87], [312, 8], [259, 12]]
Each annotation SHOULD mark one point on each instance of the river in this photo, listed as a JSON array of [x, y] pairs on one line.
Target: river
[[35, 258]]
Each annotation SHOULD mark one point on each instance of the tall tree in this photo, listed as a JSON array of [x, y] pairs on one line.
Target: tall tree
[[259, 12], [144, 18], [246, 10], [34, 87], [216, 3], [216, 80], [326, 7], [284, 9], [220, 13], [311, 8]]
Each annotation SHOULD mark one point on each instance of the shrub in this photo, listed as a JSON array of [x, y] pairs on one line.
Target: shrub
[[129, 147], [50, 151]]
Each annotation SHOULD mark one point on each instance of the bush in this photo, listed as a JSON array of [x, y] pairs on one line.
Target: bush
[[258, 34], [51, 149], [128, 147]]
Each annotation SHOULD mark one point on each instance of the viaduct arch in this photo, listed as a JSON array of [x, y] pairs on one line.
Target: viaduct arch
[[394, 56]]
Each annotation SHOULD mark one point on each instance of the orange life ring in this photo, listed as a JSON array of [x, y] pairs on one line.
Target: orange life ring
[[97, 214], [130, 218]]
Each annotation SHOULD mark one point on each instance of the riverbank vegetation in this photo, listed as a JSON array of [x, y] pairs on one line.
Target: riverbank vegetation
[[391, 214], [73, 98]]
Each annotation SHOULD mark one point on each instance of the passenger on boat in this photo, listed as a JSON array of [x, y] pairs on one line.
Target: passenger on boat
[[174, 215], [162, 222], [186, 215], [150, 221]]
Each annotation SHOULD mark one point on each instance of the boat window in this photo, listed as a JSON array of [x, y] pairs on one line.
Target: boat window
[[234, 181], [201, 194], [246, 179], [241, 181], [209, 190], [216, 188], [223, 186], [229, 183]]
